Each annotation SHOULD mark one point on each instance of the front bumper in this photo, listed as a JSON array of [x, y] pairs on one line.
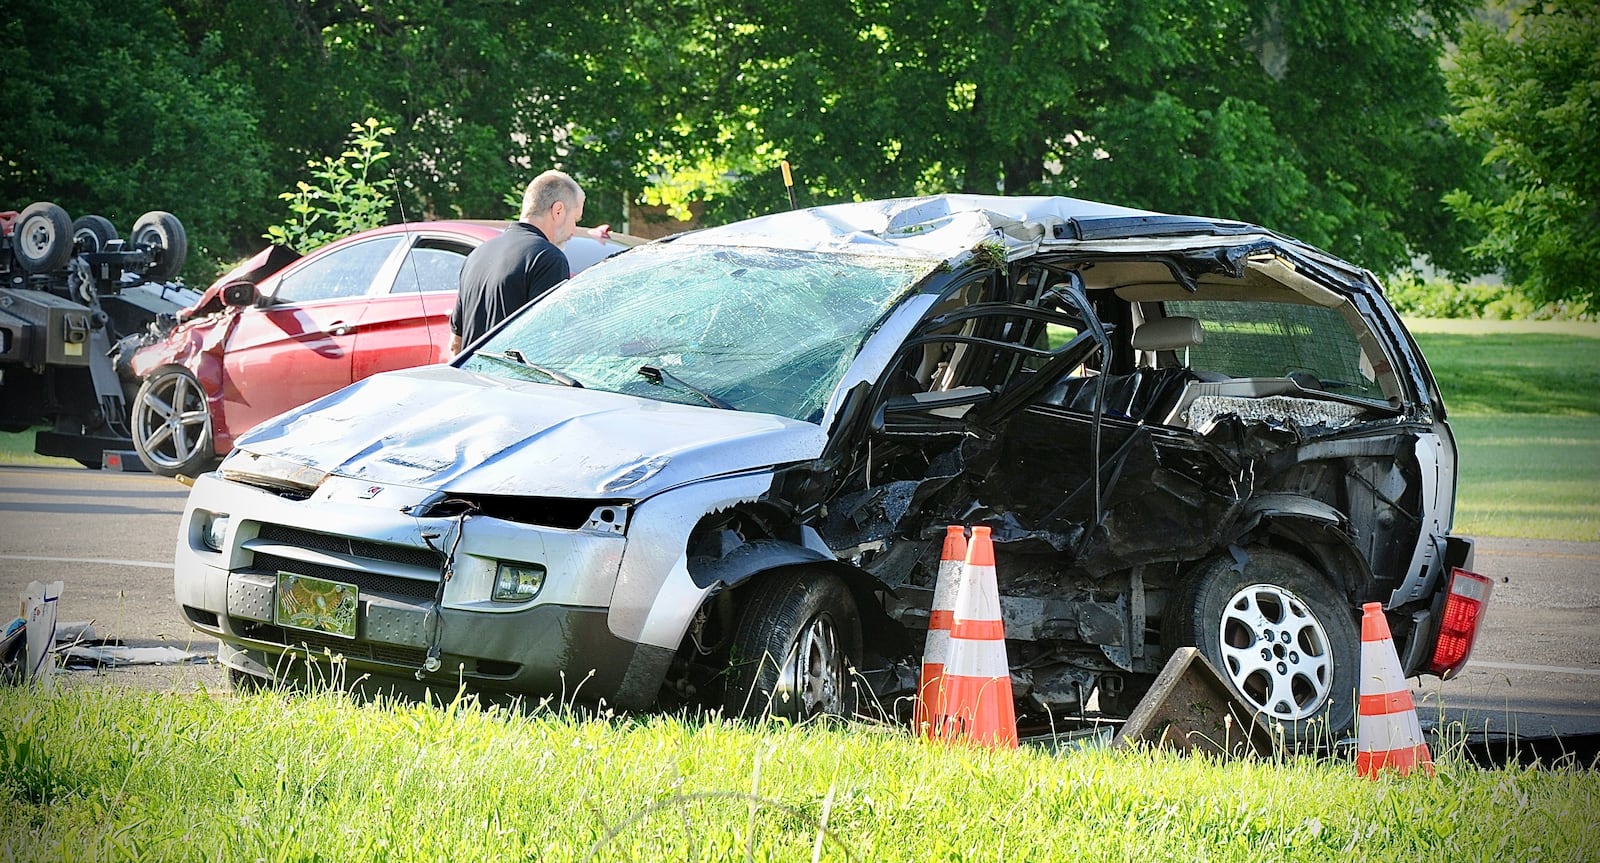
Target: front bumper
[[559, 644]]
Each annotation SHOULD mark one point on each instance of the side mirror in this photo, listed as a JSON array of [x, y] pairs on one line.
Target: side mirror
[[241, 294], [938, 412]]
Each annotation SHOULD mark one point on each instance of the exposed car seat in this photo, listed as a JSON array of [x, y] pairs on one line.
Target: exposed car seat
[[1148, 391]]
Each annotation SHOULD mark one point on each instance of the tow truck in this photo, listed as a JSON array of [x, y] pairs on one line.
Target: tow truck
[[71, 291]]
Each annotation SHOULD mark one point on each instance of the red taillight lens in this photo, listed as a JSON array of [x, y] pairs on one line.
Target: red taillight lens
[[1464, 608]]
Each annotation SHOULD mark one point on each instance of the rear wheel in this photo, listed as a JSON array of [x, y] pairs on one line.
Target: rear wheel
[[792, 648], [172, 423], [43, 238], [1282, 636]]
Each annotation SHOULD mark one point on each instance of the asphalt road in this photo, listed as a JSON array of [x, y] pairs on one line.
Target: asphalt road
[[110, 537]]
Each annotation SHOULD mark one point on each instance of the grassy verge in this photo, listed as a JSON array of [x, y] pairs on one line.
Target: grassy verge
[[18, 449], [1524, 400], [107, 775], [1534, 477]]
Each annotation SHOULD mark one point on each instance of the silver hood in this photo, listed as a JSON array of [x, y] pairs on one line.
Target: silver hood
[[438, 427]]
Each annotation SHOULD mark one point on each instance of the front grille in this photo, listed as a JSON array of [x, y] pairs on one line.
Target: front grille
[[366, 582], [315, 643], [406, 554]]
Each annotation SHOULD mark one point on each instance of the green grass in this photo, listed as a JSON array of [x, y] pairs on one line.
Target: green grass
[[1524, 401], [18, 449], [118, 775], [1531, 374], [1535, 477]]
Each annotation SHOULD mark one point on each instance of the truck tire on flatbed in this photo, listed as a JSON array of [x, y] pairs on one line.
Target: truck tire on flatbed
[[93, 233], [43, 239], [161, 230]]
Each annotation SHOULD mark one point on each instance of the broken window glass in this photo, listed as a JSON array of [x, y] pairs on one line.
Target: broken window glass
[[1313, 345], [759, 330]]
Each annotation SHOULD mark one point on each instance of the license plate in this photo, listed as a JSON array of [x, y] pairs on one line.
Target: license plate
[[315, 604]]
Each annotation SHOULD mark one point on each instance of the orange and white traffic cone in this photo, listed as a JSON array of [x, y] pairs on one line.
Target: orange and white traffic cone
[[1388, 734], [977, 677], [930, 692]]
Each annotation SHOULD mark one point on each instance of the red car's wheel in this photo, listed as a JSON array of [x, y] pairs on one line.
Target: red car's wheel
[[172, 424]]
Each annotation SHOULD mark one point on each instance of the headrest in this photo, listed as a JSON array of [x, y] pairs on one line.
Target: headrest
[[1168, 334]]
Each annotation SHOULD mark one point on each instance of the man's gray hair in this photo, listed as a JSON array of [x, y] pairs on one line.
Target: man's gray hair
[[545, 190]]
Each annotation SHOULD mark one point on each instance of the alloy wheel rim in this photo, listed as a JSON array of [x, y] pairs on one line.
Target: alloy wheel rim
[[1276, 652], [173, 421], [813, 674]]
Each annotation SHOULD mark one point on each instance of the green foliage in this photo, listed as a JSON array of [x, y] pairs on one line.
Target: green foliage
[[1320, 120], [1414, 296], [275, 777], [1532, 91], [351, 195]]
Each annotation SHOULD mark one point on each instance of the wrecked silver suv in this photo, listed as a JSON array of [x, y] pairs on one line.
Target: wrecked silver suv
[[717, 470]]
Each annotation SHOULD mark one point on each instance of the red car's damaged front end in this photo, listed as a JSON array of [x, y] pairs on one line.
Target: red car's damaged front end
[[281, 330]]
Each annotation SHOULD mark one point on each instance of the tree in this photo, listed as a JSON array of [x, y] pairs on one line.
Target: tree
[[1322, 119], [481, 94], [1532, 91], [105, 113]]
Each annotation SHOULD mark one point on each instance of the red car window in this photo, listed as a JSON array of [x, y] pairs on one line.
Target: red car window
[[344, 272]]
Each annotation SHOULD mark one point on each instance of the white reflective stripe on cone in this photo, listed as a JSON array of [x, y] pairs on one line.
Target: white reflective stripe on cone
[[1388, 731], [937, 650], [1380, 667], [978, 659]]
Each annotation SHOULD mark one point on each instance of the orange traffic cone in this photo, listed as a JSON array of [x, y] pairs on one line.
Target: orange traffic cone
[[1388, 734], [977, 677], [930, 692]]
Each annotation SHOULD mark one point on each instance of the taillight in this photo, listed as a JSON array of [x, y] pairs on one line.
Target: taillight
[[1463, 614]]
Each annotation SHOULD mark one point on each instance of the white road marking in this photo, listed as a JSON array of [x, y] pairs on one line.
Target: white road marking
[[105, 560], [1517, 666]]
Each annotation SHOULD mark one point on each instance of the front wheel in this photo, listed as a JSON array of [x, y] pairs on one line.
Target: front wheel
[[1282, 636], [792, 648], [172, 423]]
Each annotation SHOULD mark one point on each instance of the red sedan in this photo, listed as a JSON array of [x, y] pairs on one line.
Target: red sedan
[[281, 330]]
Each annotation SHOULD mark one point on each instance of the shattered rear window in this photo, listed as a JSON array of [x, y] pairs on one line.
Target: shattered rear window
[[1271, 340], [752, 329]]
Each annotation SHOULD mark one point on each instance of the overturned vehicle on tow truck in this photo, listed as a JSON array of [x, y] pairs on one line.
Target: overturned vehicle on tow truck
[[718, 469]]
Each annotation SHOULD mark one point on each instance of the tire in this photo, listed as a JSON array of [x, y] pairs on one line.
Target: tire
[[245, 683], [43, 238], [1282, 636], [793, 648], [92, 233], [172, 423], [162, 232]]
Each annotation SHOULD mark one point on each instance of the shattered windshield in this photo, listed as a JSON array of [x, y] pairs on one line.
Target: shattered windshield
[[736, 328]]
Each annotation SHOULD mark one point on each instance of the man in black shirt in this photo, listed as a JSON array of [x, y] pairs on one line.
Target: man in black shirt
[[517, 267]]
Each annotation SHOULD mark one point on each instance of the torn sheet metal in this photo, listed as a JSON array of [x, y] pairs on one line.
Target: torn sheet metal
[[933, 228]]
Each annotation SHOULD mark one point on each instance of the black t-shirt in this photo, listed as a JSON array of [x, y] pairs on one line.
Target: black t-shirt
[[503, 275]]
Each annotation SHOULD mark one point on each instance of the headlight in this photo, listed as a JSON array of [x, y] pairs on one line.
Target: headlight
[[215, 534], [517, 582]]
